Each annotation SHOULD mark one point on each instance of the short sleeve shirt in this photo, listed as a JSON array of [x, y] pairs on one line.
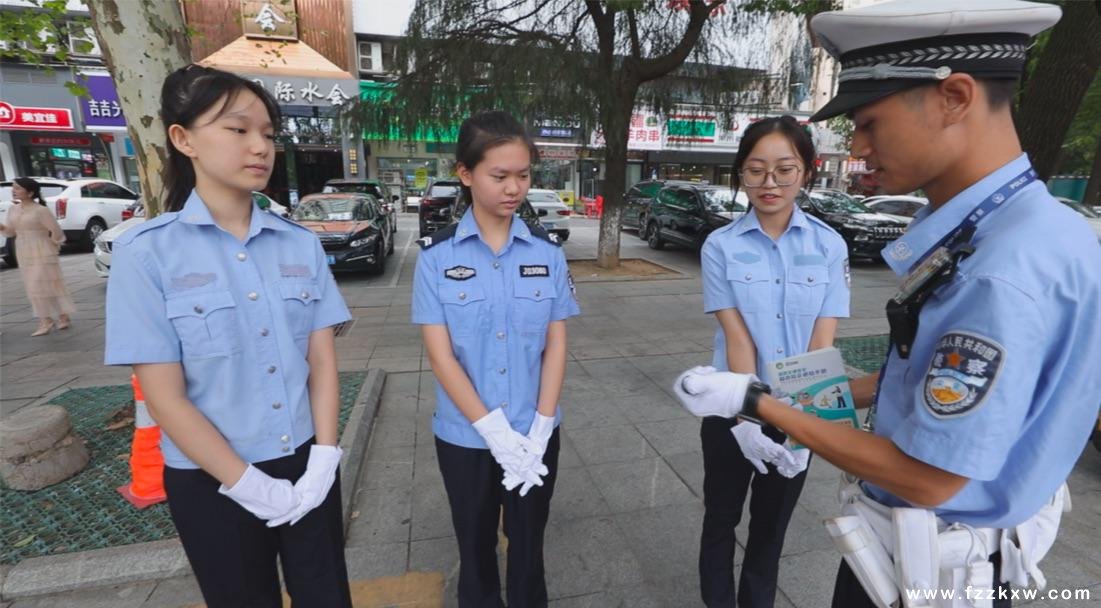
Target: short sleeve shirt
[[236, 315], [497, 308], [779, 287]]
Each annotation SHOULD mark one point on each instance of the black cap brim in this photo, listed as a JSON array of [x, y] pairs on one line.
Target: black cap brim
[[854, 94]]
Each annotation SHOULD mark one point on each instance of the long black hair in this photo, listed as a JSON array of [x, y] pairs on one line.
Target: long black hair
[[32, 186], [790, 128], [486, 130], [187, 94]]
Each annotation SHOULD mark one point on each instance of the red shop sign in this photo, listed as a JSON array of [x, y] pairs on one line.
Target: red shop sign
[[35, 119], [61, 140]]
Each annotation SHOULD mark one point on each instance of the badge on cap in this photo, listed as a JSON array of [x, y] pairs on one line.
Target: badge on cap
[[459, 273], [963, 372]]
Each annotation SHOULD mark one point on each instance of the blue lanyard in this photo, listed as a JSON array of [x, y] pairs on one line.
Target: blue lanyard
[[964, 231]]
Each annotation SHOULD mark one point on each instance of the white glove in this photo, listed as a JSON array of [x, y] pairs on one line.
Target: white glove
[[262, 495], [793, 463], [314, 485], [542, 427], [712, 393], [514, 452], [758, 447]]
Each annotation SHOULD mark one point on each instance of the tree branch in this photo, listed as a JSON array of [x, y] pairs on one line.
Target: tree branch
[[636, 50], [656, 67]]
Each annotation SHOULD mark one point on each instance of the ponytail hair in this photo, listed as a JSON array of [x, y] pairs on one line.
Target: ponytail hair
[[188, 93]]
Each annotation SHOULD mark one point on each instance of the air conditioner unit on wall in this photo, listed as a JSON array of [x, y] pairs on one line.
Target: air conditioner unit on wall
[[370, 57], [79, 39]]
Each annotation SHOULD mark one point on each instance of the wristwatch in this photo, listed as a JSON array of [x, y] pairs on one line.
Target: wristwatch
[[752, 396]]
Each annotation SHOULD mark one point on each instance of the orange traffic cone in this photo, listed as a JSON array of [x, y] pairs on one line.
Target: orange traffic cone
[[146, 461]]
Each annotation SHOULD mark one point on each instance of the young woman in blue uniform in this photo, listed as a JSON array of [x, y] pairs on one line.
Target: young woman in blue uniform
[[226, 313], [776, 280], [492, 295]]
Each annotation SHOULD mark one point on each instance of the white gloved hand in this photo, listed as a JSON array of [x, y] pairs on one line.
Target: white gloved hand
[[542, 427], [794, 463], [314, 485], [712, 393], [514, 452], [758, 447], [262, 495]]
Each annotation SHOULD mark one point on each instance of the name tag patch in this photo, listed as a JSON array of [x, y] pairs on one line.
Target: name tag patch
[[964, 369], [194, 280], [534, 271], [294, 270], [459, 273]]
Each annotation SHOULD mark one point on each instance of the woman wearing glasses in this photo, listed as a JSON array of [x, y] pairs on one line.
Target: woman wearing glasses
[[776, 280]]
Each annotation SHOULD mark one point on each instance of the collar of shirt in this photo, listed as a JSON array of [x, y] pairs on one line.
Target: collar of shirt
[[196, 212], [752, 222], [468, 228], [930, 226]]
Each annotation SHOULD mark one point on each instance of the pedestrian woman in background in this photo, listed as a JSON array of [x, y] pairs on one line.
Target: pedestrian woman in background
[[39, 243], [492, 295], [776, 280], [226, 314]]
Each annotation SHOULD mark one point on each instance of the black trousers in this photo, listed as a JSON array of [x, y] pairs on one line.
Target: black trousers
[[472, 479], [848, 593], [727, 479], [233, 553]]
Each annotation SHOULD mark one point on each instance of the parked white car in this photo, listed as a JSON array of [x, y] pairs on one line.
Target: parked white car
[[84, 208], [1092, 218], [902, 208], [102, 249], [554, 215]]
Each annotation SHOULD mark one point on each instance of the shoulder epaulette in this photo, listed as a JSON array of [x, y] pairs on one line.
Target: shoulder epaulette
[[431, 240], [549, 237], [161, 220]]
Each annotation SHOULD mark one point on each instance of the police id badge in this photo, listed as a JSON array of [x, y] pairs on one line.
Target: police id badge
[[963, 371]]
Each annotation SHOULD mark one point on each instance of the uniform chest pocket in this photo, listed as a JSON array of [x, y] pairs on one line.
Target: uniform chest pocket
[[750, 283], [806, 289], [463, 307], [299, 303], [206, 323], [532, 301]]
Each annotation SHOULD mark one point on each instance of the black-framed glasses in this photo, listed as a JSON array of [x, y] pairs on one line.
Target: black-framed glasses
[[784, 175]]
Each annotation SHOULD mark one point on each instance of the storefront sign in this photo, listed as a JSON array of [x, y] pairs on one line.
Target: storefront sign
[[556, 132], [35, 119], [644, 133], [690, 128], [557, 153], [61, 140], [420, 178], [298, 91], [101, 107], [274, 19]]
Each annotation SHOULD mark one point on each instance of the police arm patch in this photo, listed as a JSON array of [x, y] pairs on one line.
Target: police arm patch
[[963, 372]]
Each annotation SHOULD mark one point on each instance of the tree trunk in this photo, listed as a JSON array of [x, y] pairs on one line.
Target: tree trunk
[[1062, 75], [1093, 187], [142, 43], [615, 122]]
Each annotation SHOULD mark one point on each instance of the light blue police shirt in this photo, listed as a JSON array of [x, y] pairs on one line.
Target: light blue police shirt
[[1002, 385], [496, 308], [778, 287], [237, 317]]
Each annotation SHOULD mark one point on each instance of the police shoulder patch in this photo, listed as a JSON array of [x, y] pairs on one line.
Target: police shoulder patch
[[963, 372], [431, 240], [549, 237]]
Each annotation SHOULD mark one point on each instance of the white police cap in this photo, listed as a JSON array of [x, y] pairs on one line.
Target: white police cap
[[892, 46]]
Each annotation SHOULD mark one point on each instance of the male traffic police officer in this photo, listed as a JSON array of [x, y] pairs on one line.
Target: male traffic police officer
[[990, 388]]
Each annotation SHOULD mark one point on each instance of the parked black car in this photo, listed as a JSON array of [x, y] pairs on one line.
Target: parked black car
[[686, 213], [352, 228], [865, 231], [636, 201], [383, 193], [437, 205]]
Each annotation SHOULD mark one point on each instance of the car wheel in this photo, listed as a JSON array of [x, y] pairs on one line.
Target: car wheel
[[653, 238], [92, 231], [643, 229], [390, 249]]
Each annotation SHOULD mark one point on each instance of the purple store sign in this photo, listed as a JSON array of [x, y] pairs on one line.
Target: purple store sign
[[101, 108]]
